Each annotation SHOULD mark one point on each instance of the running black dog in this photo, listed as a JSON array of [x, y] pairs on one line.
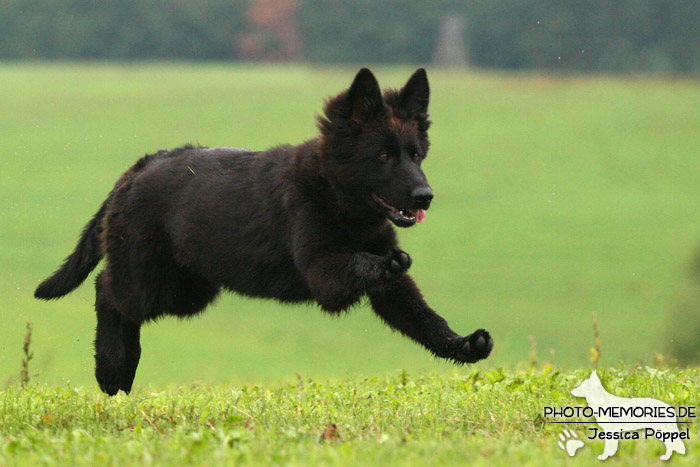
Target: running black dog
[[293, 223]]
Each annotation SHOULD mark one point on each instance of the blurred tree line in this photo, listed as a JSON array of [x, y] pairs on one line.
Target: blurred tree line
[[615, 35]]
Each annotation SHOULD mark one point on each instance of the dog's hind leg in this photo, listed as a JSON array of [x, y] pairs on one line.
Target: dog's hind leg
[[131, 333], [110, 356], [672, 446], [117, 342]]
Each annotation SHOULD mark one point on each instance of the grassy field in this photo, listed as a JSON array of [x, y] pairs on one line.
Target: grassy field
[[557, 197], [474, 418]]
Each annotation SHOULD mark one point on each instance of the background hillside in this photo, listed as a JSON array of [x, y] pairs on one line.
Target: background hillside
[[584, 35]]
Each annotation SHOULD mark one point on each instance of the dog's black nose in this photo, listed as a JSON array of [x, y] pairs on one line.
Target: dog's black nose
[[422, 196]]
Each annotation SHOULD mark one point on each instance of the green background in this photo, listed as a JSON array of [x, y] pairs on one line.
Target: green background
[[557, 197]]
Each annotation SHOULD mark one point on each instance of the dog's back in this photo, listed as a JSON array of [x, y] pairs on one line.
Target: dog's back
[[215, 213]]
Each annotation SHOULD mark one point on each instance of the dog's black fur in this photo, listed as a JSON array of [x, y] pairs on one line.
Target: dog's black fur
[[293, 223]]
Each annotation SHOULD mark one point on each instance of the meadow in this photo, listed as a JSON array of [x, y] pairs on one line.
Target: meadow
[[557, 198], [476, 418]]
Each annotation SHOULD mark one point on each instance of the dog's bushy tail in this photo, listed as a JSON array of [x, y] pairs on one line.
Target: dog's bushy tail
[[78, 265]]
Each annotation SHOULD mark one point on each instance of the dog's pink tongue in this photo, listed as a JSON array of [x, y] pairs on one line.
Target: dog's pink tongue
[[420, 215]]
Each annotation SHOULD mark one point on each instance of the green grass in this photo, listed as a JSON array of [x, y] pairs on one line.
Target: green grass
[[472, 417], [556, 197]]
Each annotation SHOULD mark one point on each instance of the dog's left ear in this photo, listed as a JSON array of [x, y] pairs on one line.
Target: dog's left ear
[[415, 95]]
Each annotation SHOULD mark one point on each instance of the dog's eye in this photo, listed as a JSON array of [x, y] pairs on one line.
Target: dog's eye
[[383, 157], [415, 157]]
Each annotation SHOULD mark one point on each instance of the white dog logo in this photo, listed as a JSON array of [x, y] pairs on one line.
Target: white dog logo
[[617, 415]]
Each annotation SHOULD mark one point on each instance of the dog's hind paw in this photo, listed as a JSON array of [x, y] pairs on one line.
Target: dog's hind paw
[[108, 373], [396, 264], [109, 389], [474, 347]]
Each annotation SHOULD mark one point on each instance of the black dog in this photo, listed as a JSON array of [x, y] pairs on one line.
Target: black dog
[[293, 223]]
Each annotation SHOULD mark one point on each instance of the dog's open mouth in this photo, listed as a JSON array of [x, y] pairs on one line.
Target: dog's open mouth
[[400, 217]]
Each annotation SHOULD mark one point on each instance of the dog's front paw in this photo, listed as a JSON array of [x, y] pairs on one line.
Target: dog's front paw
[[474, 347], [396, 264]]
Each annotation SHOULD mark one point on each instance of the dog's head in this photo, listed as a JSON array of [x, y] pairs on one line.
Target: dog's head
[[373, 146], [588, 387]]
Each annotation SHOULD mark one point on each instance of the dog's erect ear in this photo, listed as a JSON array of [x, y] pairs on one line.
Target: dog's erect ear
[[365, 98], [415, 95], [362, 104]]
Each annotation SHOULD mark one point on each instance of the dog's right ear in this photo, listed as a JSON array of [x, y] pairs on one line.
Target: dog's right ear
[[365, 98], [362, 104]]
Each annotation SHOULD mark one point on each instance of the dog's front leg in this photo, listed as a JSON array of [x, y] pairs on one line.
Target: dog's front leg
[[339, 280], [402, 307], [610, 449]]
